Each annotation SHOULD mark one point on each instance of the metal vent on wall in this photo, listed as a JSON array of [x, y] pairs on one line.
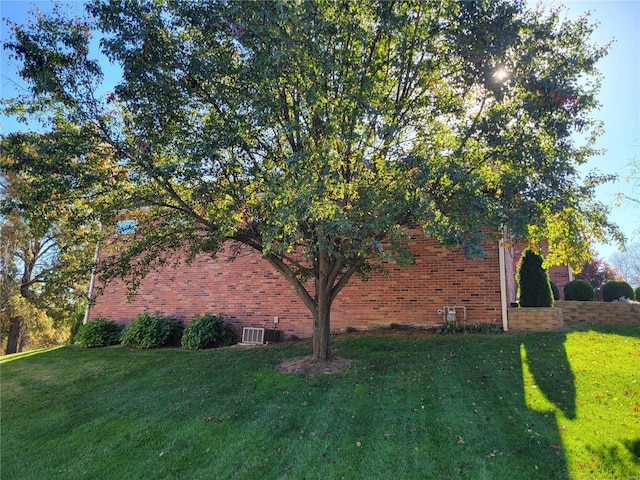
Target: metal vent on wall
[[253, 335]]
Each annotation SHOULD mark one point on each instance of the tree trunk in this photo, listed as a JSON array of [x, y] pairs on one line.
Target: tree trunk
[[329, 281], [14, 335], [322, 311], [321, 330]]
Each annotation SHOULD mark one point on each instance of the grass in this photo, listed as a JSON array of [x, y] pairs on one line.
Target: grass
[[534, 406]]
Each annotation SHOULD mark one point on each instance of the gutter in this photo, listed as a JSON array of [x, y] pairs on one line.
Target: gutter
[[92, 280]]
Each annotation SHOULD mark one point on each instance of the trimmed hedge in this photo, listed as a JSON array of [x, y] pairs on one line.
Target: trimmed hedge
[[579, 290], [554, 290], [616, 289]]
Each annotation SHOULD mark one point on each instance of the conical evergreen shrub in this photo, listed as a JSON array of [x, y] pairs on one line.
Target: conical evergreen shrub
[[534, 289]]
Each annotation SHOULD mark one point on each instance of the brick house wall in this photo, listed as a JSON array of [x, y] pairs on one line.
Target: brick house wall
[[250, 292]]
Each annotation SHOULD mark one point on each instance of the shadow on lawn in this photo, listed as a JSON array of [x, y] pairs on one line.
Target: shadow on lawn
[[548, 363], [484, 428]]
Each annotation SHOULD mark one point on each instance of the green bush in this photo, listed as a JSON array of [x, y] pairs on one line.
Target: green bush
[[99, 332], [637, 293], [77, 321], [616, 289], [534, 289], [151, 331], [451, 328], [207, 331], [554, 290], [579, 290]]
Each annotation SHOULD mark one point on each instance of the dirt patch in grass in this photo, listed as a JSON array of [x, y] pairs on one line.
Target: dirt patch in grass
[[308, 366]]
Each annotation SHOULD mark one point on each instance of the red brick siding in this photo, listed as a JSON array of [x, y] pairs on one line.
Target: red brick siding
[[250, 292]]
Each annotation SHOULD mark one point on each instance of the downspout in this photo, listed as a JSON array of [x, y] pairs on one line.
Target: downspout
[[503, 285], [93, 279], [570, 272]]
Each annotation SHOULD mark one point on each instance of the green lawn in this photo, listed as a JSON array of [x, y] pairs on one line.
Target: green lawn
[[545, 405]]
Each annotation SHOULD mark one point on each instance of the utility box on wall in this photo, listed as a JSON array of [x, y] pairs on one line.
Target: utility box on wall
[[453, 314]]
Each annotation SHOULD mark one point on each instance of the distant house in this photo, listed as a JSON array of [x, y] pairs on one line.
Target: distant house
[[251, 293]]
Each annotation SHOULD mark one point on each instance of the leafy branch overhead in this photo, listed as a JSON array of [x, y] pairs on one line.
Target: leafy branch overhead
[[317, 132]]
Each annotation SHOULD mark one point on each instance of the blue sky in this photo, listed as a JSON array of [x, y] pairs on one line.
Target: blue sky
[[620, 99], [620, 96]]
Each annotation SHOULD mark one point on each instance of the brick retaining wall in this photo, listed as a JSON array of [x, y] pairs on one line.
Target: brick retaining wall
[[534, 319], [566, 312], [600, 312]]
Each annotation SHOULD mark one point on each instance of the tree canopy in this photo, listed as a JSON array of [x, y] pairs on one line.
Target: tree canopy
[[317, 132], [45, 260]]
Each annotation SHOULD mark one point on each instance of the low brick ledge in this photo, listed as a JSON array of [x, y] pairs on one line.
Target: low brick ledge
[[529, 319]]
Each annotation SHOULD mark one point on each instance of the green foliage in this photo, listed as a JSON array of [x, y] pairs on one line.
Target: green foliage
[[78, 320], [449, 328], [207, 331], [43, 269], [99, 332], [637, 293], [597, 272], [555, 290], [534, 289], [579, 290], [323, 128], [528, 395], [151, 331], [617, 289]]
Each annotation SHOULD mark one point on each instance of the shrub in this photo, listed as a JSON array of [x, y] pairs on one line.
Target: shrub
[[534, 289], [637, 292], [554, 290], [77, 321], [450, 328], [616, 289], [99, 332], [579, 290], [151, 331], [207, 331]]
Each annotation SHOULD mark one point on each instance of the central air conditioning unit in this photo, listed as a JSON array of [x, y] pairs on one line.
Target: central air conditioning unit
[[253, 335]]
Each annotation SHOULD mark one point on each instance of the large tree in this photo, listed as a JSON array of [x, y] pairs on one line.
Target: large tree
[[48, 237], [43, 277], [317, 132]]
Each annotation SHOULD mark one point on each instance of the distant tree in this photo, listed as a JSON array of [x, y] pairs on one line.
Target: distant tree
[[633, 198], [628, 263], [34, 313], [317, 132], [597, 272], [47, 251]]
